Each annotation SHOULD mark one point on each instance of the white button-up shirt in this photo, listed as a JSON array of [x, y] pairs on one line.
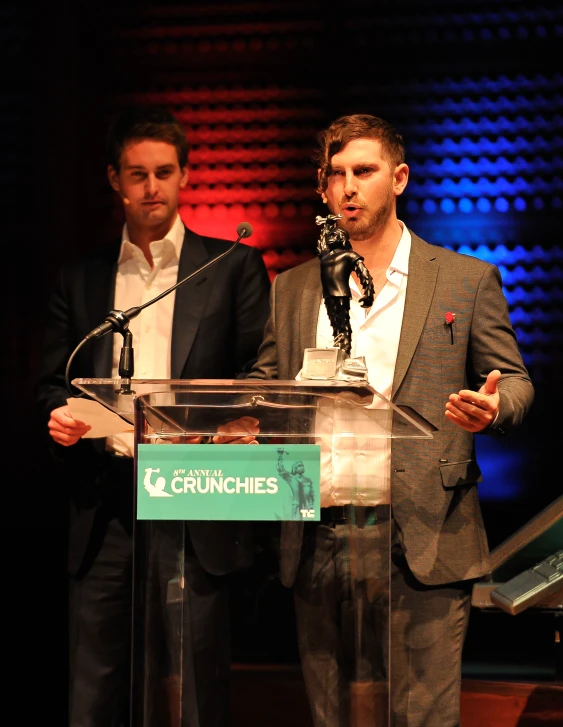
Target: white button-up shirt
[[357, 468], [136, 284]]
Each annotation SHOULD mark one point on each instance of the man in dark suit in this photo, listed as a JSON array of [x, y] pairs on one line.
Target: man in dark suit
[[209, 327], [438, 340]]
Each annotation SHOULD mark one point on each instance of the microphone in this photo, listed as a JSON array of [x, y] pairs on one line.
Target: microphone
[[244, 230], [119, 320]]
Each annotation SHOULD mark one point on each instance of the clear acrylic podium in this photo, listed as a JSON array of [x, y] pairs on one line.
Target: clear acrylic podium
[[352, 426]]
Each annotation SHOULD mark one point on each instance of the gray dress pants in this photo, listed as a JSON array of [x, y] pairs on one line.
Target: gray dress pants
[[377, 647]]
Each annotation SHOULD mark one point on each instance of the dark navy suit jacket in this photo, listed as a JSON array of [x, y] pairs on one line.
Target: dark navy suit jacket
[[219, 318]]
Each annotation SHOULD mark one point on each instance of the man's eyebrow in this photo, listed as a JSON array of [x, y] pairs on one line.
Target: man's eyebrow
[[161, 167], [356, 165]]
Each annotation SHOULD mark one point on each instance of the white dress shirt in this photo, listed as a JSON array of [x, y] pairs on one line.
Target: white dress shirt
[[136, 284], [358, 468]]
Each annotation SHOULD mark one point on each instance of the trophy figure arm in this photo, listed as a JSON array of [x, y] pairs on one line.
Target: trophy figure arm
[[366, 281]]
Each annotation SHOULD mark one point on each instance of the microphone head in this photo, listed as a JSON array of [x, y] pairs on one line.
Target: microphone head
[[244, 229]]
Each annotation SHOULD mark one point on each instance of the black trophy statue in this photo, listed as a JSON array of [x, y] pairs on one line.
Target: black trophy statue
[[338, 262]]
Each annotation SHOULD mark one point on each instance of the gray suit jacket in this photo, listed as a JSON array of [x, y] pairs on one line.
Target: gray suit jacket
[[433, 482]]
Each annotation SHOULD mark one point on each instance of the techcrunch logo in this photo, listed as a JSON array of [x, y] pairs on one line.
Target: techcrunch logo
[[207, 482]]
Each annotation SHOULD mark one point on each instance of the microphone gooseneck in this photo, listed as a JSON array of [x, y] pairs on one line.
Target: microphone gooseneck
[[118, 321]]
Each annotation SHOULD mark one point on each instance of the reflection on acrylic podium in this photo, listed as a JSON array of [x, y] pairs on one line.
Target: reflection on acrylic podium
[[334, 423]]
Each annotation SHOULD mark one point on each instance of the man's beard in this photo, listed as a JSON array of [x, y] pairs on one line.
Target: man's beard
[[369, 225]]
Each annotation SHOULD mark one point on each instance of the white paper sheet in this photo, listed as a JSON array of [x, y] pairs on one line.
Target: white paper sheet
[[104, 422]]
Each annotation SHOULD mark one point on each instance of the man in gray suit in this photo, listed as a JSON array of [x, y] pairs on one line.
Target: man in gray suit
[[438, 339]]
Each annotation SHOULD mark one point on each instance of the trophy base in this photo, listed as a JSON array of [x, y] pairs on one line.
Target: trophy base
[[353, 369], [322, 364]]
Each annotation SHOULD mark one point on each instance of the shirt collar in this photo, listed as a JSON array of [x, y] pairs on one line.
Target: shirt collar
[[400, 261], [173, 240]]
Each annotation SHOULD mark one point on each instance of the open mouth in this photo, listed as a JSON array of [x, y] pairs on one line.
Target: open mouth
[[350, 210]]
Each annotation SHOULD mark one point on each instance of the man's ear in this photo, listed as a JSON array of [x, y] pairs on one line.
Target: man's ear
[[400, 178], [113, 178], [184, 177], [323, 195]]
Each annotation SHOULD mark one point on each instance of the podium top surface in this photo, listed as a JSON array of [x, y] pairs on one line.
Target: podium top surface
[[372, 411], [144, 386]]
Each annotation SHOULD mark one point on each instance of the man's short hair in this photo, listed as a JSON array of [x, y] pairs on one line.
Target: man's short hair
[[356, 126], [140, 123]]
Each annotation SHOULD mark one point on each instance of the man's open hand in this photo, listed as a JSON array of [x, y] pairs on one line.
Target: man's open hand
[[475, 410]]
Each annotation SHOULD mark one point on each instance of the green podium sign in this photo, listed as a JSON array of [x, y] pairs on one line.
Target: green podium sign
[[228, 482]]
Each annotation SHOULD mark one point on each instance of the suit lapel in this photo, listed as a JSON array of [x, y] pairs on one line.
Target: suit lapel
[[99, 296], [190, 300], [423, 270], [309, 310]]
